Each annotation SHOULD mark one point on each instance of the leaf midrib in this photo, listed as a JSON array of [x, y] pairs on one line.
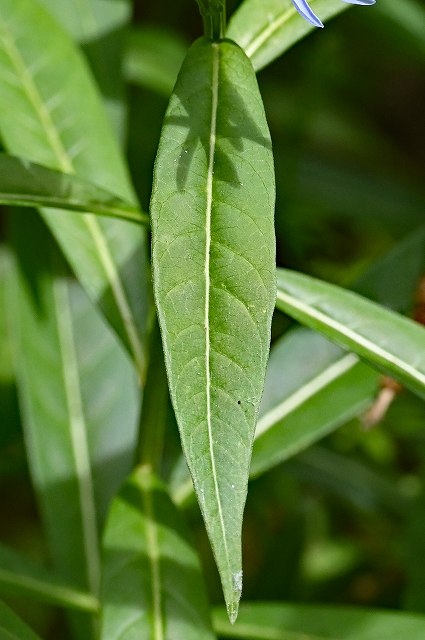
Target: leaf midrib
[[215, 48], [78, 433], [67, 166], [154, 562]]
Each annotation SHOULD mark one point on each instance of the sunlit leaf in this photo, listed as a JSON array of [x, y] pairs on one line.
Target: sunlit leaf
[[308, 622], [385, 339], [12, 627], [306, 398], [77, 456], [266, 28], [214, 279], [43, 82], [100, 25], [24, 183], [152, 585]]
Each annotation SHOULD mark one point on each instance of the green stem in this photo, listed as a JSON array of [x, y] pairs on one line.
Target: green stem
[[155, 406], [214, 17]]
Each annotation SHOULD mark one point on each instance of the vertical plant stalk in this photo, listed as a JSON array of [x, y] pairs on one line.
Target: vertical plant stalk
[[214, 17]]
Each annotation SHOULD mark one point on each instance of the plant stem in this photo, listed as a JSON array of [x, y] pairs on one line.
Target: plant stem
[[155, 406], [214, 17]]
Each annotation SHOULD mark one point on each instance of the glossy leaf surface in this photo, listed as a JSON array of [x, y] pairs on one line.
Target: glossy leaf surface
[[152, 585], [214, 279], [12, 627], [306, 398], [267, 28], [77, 456], [303, 622], [385, 339], [42, 81], [24, 183]]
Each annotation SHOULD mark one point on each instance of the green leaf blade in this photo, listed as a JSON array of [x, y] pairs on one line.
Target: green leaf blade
[[152, 585], [281, 621], [267, 28], [42, 80], [387, 340], [214, 279], [296, 409], [24, 183]]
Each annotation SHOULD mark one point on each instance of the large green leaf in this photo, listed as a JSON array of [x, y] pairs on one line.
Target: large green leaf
[[308, 622], [27, 184], [12, 627], [99, 25], [385, 339], [306, 398], [19, 576], [214, 279], [152, 586], [43, 80], [266, 28], [71, 409]]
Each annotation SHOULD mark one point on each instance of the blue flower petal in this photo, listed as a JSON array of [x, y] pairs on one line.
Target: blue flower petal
[[364, 2], [303, 8]]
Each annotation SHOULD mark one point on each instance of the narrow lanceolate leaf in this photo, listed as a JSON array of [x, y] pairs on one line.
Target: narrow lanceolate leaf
[[266, 28], [264, 621], [99, 25], [152, 585], [77, 457], [306, 398], [43, 84], [385, 339], [12, 627], [214, 279], [26, 184]]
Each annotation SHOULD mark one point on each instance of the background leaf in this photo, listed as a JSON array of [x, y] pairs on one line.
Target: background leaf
[[266, 28], [306, 398], [42, 79], [387, 340], [12, 628], [100, 27], [77, 455], [20, 576], [152, 586], [24, 183], [308, 622], [214, 274]]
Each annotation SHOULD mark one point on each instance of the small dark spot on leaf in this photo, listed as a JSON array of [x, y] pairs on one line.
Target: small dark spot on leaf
[[239, 402]]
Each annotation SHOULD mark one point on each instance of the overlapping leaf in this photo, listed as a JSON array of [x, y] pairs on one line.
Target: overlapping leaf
[[152, 585], [266, 28], [19, 576], [385, 339], [99, 25], [214, 279], [24, 183], [308, 622], [306, 398], [50, 113], [77, 456]]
